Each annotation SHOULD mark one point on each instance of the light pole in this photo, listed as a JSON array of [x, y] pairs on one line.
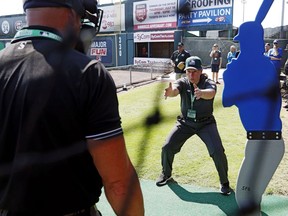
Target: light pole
[[282, 20], [243, 16]]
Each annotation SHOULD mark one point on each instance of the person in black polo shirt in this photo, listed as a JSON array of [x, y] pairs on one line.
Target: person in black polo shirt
[[197, 95], [178, 59], [61, 138]]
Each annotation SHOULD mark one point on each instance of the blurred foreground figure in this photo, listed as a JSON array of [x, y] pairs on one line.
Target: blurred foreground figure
[[61, 139], [256, 93]]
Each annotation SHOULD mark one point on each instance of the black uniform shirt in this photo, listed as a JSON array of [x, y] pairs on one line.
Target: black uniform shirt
[[51, 98], [203, 107], [178, 57]]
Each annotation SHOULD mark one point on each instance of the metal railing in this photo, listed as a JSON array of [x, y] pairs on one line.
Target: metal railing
[[130, 75]]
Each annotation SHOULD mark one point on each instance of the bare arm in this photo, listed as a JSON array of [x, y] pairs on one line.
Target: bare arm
[[120, 180], [170, 91]]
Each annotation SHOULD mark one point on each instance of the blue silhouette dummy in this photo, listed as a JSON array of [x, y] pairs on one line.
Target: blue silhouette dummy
[[251, 83]]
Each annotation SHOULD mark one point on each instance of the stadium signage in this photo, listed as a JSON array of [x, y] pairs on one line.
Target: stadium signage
[[148, 15], [154, 36], [205, 12]]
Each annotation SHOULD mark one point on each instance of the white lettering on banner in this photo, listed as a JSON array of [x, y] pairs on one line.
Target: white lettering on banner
[[120, 46], [99, 44], [200, 4], [206, 13], [156, 25], [217, 12], [162, 36], [98, 52]]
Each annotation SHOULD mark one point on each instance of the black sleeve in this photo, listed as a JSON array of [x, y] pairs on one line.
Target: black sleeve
[[100, 103], [173, 56], [210, 84]]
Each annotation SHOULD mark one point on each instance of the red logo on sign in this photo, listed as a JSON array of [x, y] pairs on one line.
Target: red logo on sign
[[141, 12], [98, 52]]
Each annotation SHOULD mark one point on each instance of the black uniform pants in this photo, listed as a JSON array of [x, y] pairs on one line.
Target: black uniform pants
[[208, 133]]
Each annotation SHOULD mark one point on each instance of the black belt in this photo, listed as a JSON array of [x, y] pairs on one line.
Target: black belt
[[264, 135]]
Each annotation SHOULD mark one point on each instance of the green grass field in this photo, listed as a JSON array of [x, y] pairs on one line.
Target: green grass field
[[193, 164]]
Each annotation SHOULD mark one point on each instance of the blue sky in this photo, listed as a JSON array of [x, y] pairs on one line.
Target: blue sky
[[273, 18]]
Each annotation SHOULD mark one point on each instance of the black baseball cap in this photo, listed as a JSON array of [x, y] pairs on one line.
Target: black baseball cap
[[80, 6], [193, 62]]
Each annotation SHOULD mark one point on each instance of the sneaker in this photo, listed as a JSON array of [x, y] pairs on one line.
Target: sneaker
[[225, 189], [218, 82], [162, 180], [286, 106]]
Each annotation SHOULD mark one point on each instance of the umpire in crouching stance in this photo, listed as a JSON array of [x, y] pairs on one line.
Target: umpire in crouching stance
[[197, 95]]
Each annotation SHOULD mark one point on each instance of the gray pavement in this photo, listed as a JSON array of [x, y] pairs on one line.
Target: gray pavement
[[190, 200]]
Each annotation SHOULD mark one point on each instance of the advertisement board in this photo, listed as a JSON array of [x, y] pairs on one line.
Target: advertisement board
[[113, 18], [102, 49], [205, 12], [160, 36], [148, 15], [143, 61]]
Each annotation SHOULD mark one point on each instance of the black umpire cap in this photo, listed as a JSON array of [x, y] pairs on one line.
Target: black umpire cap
[[80, 6]]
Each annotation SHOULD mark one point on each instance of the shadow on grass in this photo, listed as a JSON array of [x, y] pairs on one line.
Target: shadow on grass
[[226, 203]]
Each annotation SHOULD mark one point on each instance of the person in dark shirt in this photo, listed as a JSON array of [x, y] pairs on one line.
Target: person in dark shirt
[[61, 139], [178, 59], [216, 62], [197, 94]]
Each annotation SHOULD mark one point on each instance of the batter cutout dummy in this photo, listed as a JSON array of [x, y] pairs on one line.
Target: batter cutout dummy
[[252, 84]]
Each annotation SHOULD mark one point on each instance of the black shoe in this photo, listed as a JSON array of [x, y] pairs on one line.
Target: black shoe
[[218, 82], [162, 180], [225, 189], [286, 106]]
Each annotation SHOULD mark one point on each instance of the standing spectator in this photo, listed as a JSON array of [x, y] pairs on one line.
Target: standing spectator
[[178, 59], [267, 48], [61, 138], [216, 62], [275, 55], [231, 54], [197, 94]]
